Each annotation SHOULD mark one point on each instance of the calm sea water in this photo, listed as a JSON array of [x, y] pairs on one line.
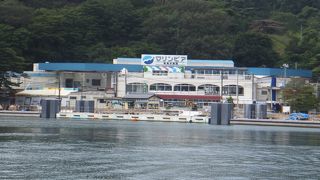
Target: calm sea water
[[84, 149]]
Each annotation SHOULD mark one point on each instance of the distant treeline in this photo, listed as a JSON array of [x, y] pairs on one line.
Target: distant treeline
[[251, 32]]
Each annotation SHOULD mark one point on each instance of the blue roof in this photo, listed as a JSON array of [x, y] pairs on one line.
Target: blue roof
[[94, 67], [279, 72], [98, 67]]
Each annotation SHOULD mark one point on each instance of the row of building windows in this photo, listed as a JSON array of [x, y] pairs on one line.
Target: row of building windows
[[70, 83], [203, 71], [217, 71], [207, 88]]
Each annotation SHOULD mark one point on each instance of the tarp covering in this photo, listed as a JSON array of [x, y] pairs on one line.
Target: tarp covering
[[298, 116]]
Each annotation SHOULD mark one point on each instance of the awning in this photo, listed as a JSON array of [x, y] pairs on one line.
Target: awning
[[163, 68], [47, 92], [189, 97]]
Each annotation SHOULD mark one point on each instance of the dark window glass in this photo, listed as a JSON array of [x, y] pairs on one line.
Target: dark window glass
[[96, 82]]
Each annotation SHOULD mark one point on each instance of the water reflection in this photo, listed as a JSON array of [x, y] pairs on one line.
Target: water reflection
[[41, 149]]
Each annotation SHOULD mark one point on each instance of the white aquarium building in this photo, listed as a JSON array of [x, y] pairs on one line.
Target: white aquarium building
[[175, 79]]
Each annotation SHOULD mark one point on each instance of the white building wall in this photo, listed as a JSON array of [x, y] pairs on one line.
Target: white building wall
[[257, 90], [178, 78], [121, 86], [37, 80]]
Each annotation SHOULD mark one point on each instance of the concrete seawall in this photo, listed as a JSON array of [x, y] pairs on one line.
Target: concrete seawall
[[282, 122], [164, 118], [20, 113]]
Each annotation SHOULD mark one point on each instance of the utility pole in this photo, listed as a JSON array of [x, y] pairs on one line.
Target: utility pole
[[285, 66]]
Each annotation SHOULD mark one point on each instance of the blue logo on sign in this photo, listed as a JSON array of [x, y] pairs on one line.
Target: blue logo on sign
[[148, 59]]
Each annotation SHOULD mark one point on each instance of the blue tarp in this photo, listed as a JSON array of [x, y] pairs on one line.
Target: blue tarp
[[298, 116]]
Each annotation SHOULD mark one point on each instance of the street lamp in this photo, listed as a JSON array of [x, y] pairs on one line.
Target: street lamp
[[285, 66]]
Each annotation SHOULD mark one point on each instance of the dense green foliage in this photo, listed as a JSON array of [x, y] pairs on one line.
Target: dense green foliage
[[252, 32], [300, 96]]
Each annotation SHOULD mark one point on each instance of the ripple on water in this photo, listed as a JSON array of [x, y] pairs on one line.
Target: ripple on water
[[37, 149]]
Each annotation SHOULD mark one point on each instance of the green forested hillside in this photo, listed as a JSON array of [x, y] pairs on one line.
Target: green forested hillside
[[251, 32]]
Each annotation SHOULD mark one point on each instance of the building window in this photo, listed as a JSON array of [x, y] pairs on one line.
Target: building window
[[215, 72], [264, 92], [208, 71], [102, 101], [160, 87], [76, 84], [160, 73], [69, 83], [73, 97], [232, 90], [96, 82], [137, 88], [201, 71], [247, 77], [209, 89], [184, 87]]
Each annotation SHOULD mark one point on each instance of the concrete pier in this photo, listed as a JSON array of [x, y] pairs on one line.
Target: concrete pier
[[20, 113], [282, 122]]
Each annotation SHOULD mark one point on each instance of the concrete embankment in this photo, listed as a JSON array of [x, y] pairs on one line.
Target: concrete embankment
[[180, 118], [20, 113], [272, 122]]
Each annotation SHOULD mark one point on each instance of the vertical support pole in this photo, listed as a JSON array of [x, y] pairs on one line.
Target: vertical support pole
[[253, 89], [221, 84], [59, 85], [125, 83], [106, 85], [237, 90], [115, 83]]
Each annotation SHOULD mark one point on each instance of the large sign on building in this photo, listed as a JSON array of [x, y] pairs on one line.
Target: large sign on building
[[164, 60]]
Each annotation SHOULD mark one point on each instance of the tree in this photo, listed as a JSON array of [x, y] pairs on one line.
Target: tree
[[100, 30], [200, 29], [10, 63], [15, 13], [300, 96], [12, 44], [70, 33], [50, 3], [229, 100], [315, 63], [254, 49]]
